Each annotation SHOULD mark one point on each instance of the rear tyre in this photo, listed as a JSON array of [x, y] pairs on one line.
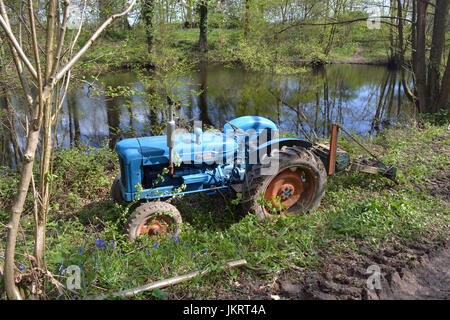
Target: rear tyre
[[298, 185], [154, 219]]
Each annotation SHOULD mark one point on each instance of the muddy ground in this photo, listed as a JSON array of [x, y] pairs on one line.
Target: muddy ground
[[419, 271]]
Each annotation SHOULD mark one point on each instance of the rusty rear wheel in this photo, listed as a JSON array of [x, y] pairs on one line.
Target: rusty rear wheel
[[154, 219], [289, 186], [298, 185]]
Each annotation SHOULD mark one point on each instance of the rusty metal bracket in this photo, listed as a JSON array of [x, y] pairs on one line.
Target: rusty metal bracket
[[333, 148]]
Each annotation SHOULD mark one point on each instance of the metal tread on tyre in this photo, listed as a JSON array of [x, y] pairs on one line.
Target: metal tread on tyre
[[299, 183], [154, 218]]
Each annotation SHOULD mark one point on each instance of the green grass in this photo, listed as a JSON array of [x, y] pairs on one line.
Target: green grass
[[86, 229]]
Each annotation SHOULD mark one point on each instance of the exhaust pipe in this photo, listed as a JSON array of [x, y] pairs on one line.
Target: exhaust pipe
[[170, 135]]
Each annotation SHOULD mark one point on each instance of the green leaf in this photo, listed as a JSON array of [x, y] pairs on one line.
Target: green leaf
[[159, 294]]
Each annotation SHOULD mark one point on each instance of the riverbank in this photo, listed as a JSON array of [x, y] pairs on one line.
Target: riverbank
[[363, 220], [225, 46]]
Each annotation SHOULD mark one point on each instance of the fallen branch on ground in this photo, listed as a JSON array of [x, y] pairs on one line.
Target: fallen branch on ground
[[167, 282]]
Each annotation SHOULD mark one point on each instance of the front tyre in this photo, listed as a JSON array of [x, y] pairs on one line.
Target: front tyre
[[116, 192], [154, 219]]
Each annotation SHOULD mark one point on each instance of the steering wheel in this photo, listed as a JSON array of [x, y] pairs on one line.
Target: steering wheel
[[237, 129]]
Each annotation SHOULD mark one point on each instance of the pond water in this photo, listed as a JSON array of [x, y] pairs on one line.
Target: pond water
[[362, 98]]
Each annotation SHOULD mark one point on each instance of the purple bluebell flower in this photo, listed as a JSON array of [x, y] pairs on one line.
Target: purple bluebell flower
[[156, 244], [80, 249], [239, 252], [147, 252], [196, 269], [194, 254], [206, 251], [60, 267], [22, 266], [176, 239], [100, 244]]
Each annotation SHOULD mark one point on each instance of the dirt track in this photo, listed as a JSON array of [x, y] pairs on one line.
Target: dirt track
[[414, 272], [430, 280]]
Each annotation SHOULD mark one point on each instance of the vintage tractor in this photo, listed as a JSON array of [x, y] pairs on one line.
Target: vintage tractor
[[276, 175]]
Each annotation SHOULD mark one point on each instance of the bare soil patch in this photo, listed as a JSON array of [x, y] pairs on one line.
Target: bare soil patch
[[417, 271]]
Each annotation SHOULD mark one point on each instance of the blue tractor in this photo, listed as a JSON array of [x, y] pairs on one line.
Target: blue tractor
[[276, 175]]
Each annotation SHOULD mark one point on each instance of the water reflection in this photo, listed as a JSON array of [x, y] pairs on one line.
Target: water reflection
[[364, 99]]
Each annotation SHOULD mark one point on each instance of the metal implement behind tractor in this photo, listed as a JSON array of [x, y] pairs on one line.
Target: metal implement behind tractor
[[277, 175]]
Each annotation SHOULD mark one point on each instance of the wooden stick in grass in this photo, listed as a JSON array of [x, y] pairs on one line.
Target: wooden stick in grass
[[168, 282]]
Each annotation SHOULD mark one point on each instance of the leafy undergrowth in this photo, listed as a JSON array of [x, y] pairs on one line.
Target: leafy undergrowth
[[86, 228]]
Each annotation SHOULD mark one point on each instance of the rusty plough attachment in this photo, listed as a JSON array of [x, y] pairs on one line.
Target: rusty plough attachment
[[337, 159]]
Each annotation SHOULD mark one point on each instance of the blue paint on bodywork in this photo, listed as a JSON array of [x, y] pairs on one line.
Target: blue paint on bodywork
[[211, 162], [248, 123]]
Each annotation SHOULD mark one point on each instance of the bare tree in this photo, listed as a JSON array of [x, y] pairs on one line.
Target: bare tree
[[51, 80]]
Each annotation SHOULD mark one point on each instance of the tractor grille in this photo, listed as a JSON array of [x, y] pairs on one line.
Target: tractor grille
[[122, 174]]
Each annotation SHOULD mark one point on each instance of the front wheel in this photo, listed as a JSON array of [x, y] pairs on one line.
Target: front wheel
[[116, 193], [154, 219], [297, 186]]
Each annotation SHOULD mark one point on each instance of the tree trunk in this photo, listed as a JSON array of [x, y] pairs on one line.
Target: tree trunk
[[444, 94], [16, 211], [189, 14], [41, 219], [203, 10], [39, 108], [148, 11], [414, 36], [437, 46], [102, 10], [247, 19], [420, 56]]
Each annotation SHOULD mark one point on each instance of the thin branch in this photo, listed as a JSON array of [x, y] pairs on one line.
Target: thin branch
[[36, 56], [16, 45], [62, 35], [298, 24], [88, 44], [28, 28], [83, 13], [17, 61]]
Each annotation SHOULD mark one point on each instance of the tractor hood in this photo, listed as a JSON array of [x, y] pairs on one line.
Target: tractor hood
[[210, 147]]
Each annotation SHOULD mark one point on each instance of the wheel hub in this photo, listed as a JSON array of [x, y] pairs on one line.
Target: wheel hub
[[288, 187], [286, 191], [154, 227]]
